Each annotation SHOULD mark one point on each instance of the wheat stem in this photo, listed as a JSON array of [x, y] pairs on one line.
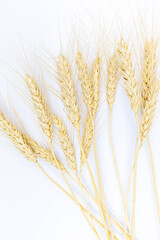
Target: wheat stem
[[137, 150], [100, 184], [92, 227], [94, 185], [116, 168], [126, 204], [82, 208], [73, 198], [85, 200], [95, 201], [154, 178]]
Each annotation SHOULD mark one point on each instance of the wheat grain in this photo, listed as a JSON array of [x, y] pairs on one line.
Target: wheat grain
[[131, 85], [17, 138], [66, 143], [40, 106], [68, 91], [112, 80]]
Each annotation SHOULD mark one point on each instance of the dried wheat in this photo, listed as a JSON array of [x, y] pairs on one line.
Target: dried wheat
[[43, 153], [17, 138], [112, 80], [68, 91], [40, 106], [148, 70], [149, 110], [86, 82], [66, 143], [131, 85]]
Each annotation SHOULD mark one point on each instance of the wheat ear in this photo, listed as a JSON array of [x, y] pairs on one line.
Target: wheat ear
[[43, 153], [149, 110], [68, 91], [148, 70], [40, 106], [66, 143], [112, 80], [17, 138], [128, 73], [86, 81]]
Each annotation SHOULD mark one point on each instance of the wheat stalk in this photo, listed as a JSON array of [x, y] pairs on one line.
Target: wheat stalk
[[91, 99], [112, 82], [132, 90], [88, 96], [148, 81]]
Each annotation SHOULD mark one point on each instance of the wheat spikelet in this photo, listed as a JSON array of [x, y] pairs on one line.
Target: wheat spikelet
[[148, 70], [112, 80], [68, 91], [66, 143], [149, 110], [17, 138], [131, 85], [86, 82], [43, 153], [40, 106]]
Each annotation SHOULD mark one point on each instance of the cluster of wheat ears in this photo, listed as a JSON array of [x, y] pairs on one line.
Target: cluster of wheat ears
[[143, 97]]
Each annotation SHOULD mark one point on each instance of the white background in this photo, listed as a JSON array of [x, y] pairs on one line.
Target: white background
[[31, 207]]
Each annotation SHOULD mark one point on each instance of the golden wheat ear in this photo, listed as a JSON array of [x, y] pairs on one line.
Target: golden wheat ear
[[148, 71], [40, 105], [86, 82], [150, 88], [66, 143], [68, 91], [149, 110], [128, 73], [112, 80], [17, 138]]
